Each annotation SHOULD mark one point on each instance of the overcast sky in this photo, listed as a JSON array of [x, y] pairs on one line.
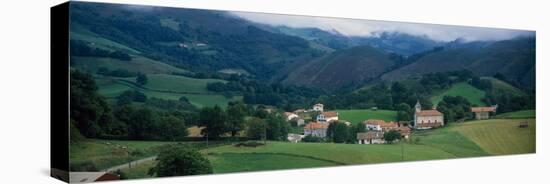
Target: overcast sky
[[353, 27]]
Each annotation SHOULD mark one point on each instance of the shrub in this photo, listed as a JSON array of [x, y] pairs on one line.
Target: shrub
[[249, 144], [180, 161]]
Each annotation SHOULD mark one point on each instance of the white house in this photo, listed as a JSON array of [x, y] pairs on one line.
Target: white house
[[329, 116], [426, 119], [290, 116], [371, 137], [379, 125], [318, 107], [316, 129]]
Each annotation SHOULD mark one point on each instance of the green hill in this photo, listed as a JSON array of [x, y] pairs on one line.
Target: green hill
[[501, 136], [164, 82], [112, 87], [463, 89], [340, 68], [359, 115], [503, 86], [137, 64], [513, 58]]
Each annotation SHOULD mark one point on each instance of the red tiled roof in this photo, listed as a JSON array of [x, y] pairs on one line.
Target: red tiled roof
[[315, 125], [429, 113], [370, 135], [382, 123], [330, 114], [404, 130], [483, 109]]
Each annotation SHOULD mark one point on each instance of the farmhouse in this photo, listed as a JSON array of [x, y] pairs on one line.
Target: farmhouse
[[316, 129], [426, 119], [483, 112], [289, 116], [318, 107], [379, 125], [371, 137], [404, 131], [327, 116]]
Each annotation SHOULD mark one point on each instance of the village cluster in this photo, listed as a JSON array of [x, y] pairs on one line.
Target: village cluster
[[375, 128]]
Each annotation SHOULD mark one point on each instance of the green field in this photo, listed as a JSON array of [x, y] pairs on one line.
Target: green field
[[107, 153], [503, 86], [112, 87], [239, 162], [165, 82], [450, 141], [359, 115], [343, 154], [501, 136], [137, 64], [463, 89], [457, 140], [518, 114], [78, 32]]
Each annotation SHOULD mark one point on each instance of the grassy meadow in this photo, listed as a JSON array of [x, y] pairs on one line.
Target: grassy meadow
[[464, 89], [192, 89], [359, 115], [501, 136]]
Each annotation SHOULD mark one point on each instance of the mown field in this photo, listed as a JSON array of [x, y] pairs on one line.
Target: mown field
[[501, 136], [463, 89], [359, 115]]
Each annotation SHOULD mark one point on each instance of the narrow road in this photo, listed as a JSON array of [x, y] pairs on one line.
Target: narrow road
[[132, 164]]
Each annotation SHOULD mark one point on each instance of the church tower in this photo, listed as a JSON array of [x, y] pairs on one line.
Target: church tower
[[417, 106]]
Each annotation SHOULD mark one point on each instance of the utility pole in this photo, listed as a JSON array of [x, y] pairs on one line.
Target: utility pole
[[402, 152], [265, 133]]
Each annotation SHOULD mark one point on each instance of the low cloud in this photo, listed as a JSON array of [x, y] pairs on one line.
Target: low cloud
[[367, 28]]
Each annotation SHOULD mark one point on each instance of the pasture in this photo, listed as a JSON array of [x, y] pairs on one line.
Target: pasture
[[137, 64], [359, 115], [472, 94], [174, 83], [501, 136]]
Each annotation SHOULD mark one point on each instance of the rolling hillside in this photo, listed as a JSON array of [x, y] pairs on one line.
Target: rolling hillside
[[356, 65], [515, 59], [187, 38], [472, 94], [193, 89]]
